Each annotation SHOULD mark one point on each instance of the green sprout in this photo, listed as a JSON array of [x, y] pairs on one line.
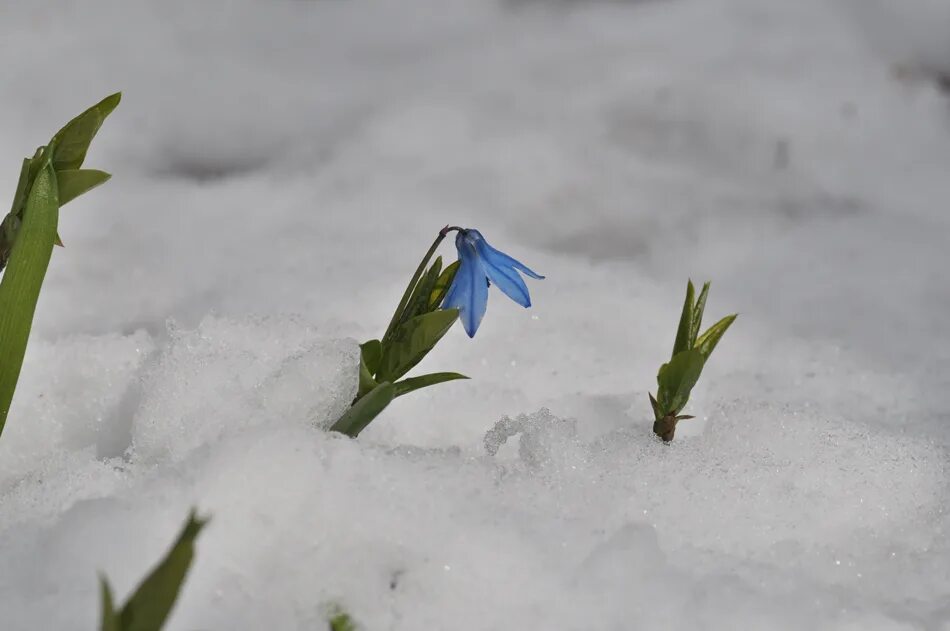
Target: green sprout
[[691, 350], [48, 180], [150, 604], [339, 620]]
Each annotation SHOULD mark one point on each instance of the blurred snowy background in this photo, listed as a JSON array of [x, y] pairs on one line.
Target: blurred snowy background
[[281, 165]]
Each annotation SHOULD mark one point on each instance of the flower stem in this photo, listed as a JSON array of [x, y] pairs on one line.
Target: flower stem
[[415, 279]]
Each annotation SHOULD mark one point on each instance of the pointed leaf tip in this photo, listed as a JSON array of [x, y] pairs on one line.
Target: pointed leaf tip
[[686, 321], [708, 340]]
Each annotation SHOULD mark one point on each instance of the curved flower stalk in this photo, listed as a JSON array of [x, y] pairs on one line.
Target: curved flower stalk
[[433, 300], [677, 377]]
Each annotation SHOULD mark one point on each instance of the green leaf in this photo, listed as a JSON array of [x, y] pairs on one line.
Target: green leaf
[[371, 351], [75, 182], [698, 315], [23, 279], [414, 383], [150, 604], [708, 340], [339, 620], [412, 340], [365, 410], [419, 300], [441, 287], [367, 383], [657, 413], [72, 141], [370, 354], [676, 380], [686, 322], [110, 621]]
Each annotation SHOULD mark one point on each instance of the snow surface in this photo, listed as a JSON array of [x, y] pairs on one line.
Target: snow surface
[[280, 167]]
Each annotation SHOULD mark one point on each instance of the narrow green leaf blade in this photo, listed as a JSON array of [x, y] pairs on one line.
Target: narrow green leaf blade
[[412, 340], [72, 141], [365, 410], [110, 621], [698, 315], [414, 383], [708, 340], [152, 602], [442, 285], [75, 182], [23, 279], [676, 380], [686, 321]]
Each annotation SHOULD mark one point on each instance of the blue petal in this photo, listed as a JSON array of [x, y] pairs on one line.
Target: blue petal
[[506, 278], [500, 259], [469, 290]]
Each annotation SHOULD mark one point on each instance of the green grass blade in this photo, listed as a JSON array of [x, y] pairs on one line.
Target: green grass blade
[[149, 607], [414, 383], [686, 322], [72, 141], [74, 182], [708, 340], [365, 410], [23, 279], [698, 315]]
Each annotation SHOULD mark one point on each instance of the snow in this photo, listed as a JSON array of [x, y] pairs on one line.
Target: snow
[[279, 169]]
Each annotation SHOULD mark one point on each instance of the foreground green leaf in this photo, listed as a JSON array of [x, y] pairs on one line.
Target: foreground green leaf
[[414, 383], [363, 411], [151, 603], [23, 279]]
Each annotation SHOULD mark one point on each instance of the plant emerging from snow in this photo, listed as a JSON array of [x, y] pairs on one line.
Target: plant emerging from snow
[[150, 604], [48, 180], [432, 302], [677, 377]]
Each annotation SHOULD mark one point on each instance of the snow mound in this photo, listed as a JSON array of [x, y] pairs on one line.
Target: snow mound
[[228, 374]]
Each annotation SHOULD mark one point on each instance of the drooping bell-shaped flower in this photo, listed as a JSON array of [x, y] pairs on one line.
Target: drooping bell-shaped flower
[[480, 265]]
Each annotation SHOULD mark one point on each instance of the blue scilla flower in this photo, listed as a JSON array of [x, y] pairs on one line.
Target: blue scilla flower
[[480, 265]]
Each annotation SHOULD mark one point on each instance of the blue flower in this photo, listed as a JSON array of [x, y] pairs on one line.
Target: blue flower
[[480, 265]]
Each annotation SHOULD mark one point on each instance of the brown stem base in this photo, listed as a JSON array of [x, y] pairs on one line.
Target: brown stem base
[[665, 428]]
